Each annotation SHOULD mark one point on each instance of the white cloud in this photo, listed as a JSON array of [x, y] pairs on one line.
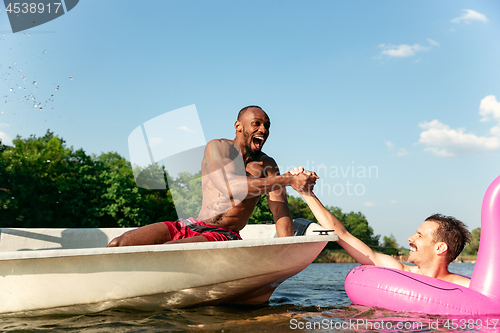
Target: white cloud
[[443, 141], [489, 106], [393, 202], [402, 50], [402, 152], [185, 129], [470, 15], [432, 42], [6, 139], [447, 142], [439, 152], [369, 204]]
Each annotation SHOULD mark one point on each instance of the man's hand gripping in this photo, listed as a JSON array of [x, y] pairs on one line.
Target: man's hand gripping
[[303, 180]]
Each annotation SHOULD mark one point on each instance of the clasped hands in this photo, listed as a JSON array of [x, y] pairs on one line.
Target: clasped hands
[[303, 180]]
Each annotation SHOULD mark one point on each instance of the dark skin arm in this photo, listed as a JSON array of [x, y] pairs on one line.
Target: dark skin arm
[[227, 172], [278, 203]]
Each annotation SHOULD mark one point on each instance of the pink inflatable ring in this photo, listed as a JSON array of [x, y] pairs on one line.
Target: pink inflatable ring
[[402, 291]]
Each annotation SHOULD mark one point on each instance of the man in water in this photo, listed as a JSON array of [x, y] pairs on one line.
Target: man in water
[[437, 242], [235, 173]]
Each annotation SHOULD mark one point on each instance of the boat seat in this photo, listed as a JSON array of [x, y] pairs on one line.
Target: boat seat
[[301, 227]]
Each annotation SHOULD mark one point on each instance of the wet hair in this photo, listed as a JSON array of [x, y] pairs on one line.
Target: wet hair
[[452, 232], [245, 109]]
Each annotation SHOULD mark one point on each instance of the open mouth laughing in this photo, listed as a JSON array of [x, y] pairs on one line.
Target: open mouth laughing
[[258, 142]]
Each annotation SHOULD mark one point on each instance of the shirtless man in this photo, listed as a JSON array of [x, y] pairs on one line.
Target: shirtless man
[[235, 173], [437, 242]]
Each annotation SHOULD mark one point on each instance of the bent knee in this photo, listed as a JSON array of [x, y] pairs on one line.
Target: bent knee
[[118, 241]]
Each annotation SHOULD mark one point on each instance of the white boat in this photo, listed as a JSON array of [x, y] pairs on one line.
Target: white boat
[[71, 271]]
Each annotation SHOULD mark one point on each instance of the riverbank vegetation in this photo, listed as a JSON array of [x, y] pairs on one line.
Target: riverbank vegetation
[[341, 256], [46, 183]]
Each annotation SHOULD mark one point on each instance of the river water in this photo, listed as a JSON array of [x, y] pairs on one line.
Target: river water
[[313, 300]]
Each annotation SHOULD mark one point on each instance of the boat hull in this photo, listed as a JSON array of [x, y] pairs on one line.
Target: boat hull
[[157, 276]]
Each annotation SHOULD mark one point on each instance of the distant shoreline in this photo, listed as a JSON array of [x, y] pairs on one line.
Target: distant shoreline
[[341, 257]]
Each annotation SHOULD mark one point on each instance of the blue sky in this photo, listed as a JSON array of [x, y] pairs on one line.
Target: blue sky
[[407, 90]]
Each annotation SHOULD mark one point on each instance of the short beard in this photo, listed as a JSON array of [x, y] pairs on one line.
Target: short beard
[[254, 156]]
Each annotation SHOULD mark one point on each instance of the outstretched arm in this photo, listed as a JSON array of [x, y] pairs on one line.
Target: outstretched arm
[[361, 252]]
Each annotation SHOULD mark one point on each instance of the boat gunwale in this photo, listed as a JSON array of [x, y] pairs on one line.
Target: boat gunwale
[[55, 253]]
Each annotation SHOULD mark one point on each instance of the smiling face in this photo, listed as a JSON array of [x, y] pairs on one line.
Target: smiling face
[[422, 244], [253, 131]]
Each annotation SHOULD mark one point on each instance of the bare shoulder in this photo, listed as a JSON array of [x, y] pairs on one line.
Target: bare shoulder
[[460, 280], [269, 164], [220, 143], [221, 147], [411, 269], [266, 158], [453, 278]]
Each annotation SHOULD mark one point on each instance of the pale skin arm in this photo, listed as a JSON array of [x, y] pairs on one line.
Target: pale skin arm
[[361, 252]]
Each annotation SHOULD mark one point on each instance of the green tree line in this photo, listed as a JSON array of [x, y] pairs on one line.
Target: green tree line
[[46, 184]]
